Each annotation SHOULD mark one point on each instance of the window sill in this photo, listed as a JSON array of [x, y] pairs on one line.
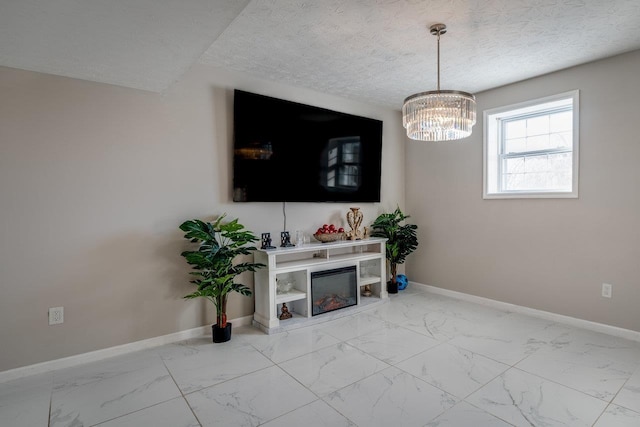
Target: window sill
[[531, 195]]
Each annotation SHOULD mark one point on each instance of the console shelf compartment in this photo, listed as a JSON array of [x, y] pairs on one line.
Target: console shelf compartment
[[369, 280], [292, 295]]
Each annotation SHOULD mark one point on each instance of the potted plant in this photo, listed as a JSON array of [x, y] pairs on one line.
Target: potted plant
[[219, 243], [401, 241]]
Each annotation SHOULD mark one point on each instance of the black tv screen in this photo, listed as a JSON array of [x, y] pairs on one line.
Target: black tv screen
[[290, 152]]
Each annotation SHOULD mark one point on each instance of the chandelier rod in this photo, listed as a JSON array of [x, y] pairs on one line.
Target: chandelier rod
[[437, 30], [438, 61]]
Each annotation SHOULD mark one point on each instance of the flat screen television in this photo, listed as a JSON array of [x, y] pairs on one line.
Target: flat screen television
[[290, 152]]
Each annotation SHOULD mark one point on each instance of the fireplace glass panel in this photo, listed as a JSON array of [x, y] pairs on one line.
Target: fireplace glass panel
[[333, 289]]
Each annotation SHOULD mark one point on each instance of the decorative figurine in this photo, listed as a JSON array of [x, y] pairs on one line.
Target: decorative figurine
[[285, 312], [366, 291], [285, 240], [266, 241], [354, 219]]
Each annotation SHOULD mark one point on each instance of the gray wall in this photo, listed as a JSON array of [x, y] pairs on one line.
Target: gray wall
[[94, 181], [548, 254]]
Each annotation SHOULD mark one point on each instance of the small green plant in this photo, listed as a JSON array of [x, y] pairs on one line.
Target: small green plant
[[219, 243], [401, 239]]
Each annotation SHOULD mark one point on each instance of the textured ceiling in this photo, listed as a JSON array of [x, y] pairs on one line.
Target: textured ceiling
[[377, 51], [144, 44]]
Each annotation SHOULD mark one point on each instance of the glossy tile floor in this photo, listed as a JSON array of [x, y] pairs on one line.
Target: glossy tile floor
[[421, 360]]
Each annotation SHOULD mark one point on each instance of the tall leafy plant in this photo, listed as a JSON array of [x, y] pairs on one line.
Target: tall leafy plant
[[402, 240], [219, 243]]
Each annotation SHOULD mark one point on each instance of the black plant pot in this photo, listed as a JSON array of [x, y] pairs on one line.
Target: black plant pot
[[221, 334], [392, 287]]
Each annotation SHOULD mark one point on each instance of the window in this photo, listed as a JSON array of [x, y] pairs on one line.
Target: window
[[531, 149]]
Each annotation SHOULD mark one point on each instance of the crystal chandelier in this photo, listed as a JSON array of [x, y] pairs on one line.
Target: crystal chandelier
[[439, 115]]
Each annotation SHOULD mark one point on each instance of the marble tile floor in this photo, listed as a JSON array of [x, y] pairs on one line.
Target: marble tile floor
[[421, 360]]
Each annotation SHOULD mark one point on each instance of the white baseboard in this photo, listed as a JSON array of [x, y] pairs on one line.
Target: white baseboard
[[572, 321], [246, 320], [118, 350]]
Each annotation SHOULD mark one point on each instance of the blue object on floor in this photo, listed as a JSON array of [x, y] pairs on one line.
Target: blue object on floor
[[402, 281]]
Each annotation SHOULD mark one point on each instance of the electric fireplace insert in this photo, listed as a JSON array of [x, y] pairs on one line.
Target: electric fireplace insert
[[333, 289]]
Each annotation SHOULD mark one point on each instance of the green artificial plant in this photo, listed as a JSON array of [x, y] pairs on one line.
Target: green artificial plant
[[401, 239], [219, 243]]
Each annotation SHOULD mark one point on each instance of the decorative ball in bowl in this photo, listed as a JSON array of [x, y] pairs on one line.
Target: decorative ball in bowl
[[328, 237], [283, 287]]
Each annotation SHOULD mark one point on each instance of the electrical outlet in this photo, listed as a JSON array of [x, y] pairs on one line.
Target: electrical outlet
[[606, 290], [56, 315]]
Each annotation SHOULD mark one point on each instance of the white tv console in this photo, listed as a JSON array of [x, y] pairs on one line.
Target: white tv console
[[295, 265]]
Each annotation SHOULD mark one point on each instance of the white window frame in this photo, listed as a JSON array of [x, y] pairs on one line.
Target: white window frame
[[492, 120]]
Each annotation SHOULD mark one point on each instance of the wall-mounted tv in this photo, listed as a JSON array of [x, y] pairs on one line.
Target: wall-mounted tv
[[290, 152]]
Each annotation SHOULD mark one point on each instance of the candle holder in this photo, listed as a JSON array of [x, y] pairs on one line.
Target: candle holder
[[285, 240], [266, 241]]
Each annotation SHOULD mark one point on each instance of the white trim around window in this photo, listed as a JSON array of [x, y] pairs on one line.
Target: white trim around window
[[531, 149]]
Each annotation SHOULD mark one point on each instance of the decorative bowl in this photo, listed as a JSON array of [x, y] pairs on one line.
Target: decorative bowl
[[328, 237]]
